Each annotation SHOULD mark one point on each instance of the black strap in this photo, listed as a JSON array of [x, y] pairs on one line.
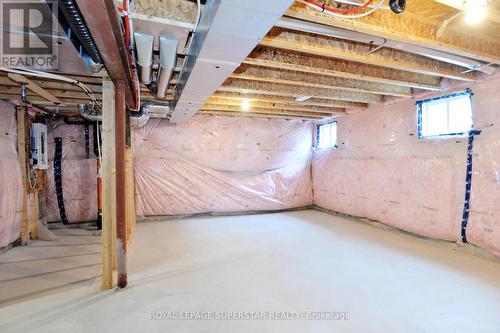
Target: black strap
[[468, 184], [58, 180], [87, 141]]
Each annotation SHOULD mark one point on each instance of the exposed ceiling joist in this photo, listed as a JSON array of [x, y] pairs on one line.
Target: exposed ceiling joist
[[290, 100], [359, 52], [237, 108], [274, 105], [406, 28], [318, 81], [255, 115], [295, 61], [235, 85], [20, 79]]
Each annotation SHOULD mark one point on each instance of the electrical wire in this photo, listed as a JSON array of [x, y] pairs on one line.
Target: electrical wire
[[320, 8], [328, 8]]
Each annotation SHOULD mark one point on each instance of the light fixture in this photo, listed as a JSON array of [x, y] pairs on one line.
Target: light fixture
[[245, 105], [302, 98], [475, 11]]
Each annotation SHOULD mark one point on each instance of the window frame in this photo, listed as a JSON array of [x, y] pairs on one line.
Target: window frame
[[318, 126], [467, 92]]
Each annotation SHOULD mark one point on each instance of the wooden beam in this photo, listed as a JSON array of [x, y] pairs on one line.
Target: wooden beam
[[254, 115], [243, 86], [273, 105], [237, 108], [288, 100], [34, 88], [359, 52], [299, 62], [246, 72], [21, 151], [103, 22], [406, 28], [108, 170]]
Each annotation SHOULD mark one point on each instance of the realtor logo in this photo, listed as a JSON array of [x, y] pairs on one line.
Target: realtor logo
[[29, 34]]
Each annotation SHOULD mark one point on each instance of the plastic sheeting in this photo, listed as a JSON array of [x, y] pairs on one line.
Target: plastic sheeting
[[79, 174], [222, 164], [10, 177], [383, 172]]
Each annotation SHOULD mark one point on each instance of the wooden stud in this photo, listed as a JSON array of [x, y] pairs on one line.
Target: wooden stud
[[108, 171], [21, 151]]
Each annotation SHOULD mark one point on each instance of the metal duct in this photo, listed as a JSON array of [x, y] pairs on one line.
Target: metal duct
[[75, 20], [157, 110], [168, 55], [144, 47], [228, 31], [88, 114], [140, 119]]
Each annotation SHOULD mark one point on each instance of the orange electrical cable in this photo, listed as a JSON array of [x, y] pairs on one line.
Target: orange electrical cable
[[339, 10]]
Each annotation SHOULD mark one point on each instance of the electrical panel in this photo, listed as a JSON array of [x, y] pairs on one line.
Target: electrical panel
[[38, 143]]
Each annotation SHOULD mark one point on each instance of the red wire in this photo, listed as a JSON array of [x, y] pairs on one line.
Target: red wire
[[339, 10]]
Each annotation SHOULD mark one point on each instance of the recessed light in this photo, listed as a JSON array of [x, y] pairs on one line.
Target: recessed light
[[302, 98], [245, 105]]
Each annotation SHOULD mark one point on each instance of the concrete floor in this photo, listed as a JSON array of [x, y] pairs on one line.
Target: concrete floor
[[305, 261]]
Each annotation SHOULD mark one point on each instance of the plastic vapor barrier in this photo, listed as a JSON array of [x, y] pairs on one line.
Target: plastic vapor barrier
[[11, 186], [79, 174], [222, 164], [382, 171]]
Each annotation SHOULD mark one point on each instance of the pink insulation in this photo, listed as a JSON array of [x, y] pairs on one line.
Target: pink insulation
[[222, 164], [383, 172], [79, 174], [10, 177]]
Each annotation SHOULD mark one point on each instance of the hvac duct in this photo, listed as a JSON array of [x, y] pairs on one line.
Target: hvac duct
[[168, 55], [89, 114], [139, 119], [157, 110], [144, 47]]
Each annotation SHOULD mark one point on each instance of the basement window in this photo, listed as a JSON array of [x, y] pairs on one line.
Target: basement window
[[449, 115], [326, 136]]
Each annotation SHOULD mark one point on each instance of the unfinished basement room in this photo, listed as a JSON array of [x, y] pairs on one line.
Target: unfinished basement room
[[250, 166]]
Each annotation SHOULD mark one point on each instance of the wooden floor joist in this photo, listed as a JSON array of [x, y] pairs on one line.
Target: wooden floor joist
[[359, 52], [273, 105], [255, 115], [253, 109], [246, 72], [235, 85], [406, 28], [288, 100], [300, 62]]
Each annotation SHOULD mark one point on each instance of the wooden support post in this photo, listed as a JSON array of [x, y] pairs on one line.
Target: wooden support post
[[21, 150], [121, 195], [131, 217], [108, 183], [34, 214]]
